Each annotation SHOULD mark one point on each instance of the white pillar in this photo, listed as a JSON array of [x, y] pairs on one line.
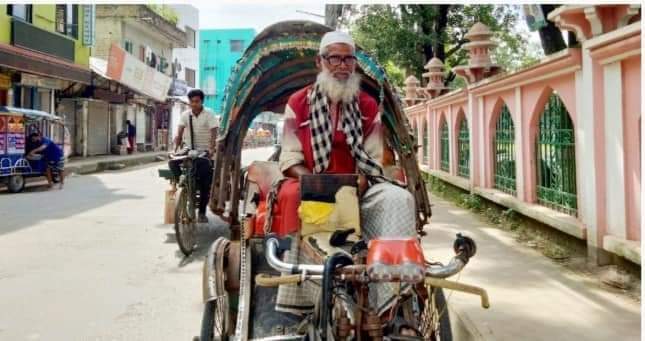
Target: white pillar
[[585, 155], [10, 98], [52, 102], [418, 120], [451, 146], [518, 124], [85, 127], [614, 150], [471, 143], [482, 142]]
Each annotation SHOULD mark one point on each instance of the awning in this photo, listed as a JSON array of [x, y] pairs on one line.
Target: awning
[[42, 64], [31, 113]]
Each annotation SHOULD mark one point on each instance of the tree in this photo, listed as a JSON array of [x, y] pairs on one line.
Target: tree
[[550, 35], [411, 35]]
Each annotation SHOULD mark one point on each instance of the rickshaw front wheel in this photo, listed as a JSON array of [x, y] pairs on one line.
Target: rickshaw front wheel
[[16, 183]]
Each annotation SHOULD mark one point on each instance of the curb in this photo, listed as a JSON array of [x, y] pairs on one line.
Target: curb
[[88, 167], [464, 329]]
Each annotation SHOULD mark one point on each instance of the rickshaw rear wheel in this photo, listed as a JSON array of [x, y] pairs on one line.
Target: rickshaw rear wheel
[[16, 183], [435, 320], [185, 221], [218, 320]]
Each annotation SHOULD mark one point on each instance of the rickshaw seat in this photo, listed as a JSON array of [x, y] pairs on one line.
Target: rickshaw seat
[[263, 173]]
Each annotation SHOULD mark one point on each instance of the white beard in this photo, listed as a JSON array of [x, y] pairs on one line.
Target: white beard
[[339, 91]]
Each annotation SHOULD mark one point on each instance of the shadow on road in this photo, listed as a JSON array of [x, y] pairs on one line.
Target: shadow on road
[[38, 203], [206, 235]]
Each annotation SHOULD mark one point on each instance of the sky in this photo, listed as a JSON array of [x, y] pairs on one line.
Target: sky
[[260, 14], [255, 14]]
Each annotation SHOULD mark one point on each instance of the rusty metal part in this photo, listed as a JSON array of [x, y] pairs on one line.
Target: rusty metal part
[[372, 325], [451, 285], [344, 327], [232, 267]]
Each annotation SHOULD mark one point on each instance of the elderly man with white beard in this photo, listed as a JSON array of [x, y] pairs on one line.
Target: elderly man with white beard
[[333, 127]]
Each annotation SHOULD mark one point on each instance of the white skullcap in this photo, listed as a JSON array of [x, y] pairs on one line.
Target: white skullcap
[[336, 37]]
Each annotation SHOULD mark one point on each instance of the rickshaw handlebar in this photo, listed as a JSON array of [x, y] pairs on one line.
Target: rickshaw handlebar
[[463, 249], [192, 154]]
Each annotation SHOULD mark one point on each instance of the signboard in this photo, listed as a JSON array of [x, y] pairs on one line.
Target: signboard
[[534, 17], [89, 24], [15, 135], [178, 88], [125, 68], [3, 135], [5, 82], [41, 82]]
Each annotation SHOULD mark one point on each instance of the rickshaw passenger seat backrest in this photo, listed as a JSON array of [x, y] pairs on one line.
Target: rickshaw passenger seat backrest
[[263, 173]]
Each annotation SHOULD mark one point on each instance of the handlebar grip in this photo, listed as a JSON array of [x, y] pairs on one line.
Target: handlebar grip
[[465, 247]]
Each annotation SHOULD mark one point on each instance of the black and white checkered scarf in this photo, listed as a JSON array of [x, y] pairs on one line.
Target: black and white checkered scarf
[[322, 133]]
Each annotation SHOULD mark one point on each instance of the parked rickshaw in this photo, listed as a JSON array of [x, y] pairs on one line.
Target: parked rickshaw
[[241, 274], [16, 124]]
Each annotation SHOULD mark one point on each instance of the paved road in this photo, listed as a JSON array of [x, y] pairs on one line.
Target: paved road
[[95, 262]]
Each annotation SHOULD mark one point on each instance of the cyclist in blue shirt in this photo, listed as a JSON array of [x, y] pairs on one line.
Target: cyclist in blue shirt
[[52, 154]]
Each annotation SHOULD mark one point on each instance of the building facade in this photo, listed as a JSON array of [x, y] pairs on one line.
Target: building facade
[[186, 59], [44, 49], [219, 51], [559, 141], [151, 38]]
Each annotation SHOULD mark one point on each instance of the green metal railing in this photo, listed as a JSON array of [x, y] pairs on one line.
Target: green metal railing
[[424, 132], [556, 158], [463, 149], [445, 147], [504, 146]]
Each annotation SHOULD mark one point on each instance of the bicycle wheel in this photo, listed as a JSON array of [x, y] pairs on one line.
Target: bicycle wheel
[[185, 221], [435, 320]]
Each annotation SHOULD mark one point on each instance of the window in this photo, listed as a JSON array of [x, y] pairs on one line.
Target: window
[[128, 46], [556, 158], [237, 45], [20, 11], [463, 149], [504, 146], [444, 147], [190, 77], [190, 37], [67, 20]]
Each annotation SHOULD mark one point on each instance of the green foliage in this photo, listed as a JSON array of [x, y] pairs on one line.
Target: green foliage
[[472, 202], [395, 74], [410, 35], [165, 12]]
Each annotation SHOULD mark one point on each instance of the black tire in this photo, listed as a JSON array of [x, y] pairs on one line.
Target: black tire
[[215, 319], [16, 183], [445, 328], [442, 332], [208, 317], [184, 225]]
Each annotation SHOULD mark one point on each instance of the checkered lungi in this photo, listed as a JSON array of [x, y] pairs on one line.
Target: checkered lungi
[[386, 211], [57, 166]]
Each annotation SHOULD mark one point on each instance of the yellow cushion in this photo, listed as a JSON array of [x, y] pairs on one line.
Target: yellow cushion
[[320, 216]]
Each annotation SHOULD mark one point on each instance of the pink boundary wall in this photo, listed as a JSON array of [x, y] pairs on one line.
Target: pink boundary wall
[[525, 93]]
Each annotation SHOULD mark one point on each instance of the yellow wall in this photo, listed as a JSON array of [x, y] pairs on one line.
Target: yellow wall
[[5, 25], [44, 16]]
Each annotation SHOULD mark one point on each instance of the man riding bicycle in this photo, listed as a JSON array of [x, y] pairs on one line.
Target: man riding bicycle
[[202, 126]]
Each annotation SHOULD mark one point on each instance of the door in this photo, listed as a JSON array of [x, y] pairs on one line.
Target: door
[[98, 128]]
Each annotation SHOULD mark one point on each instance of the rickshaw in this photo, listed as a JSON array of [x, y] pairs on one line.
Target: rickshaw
[[242, 273], [16, 124]]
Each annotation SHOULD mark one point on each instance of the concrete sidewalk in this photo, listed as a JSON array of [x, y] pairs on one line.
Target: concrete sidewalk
[[531, 296], [94, 164]]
